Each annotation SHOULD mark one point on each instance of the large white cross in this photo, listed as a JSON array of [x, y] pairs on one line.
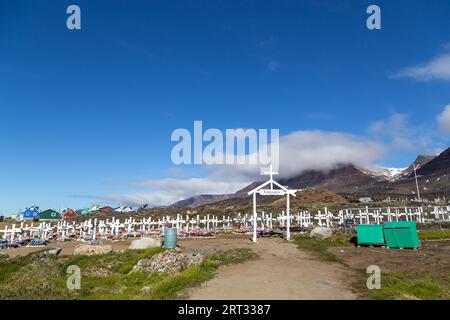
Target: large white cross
[[270, 173]]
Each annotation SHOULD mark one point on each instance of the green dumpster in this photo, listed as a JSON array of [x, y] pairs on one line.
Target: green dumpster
[[370, 234], [401, 234]]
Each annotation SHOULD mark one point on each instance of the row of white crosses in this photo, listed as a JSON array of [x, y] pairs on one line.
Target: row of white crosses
[[94, 228], [41, 230], [388, 214], [441, 213]]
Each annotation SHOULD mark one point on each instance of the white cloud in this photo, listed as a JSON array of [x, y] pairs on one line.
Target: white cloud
[[443, 120], [324, 150], [168, 191], [299, 151], [395, 131], [436, 69], [398, 134], [312, 150]]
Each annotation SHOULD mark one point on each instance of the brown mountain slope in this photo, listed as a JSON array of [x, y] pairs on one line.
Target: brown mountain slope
[[343, 179], [433, 176], [309, 199]]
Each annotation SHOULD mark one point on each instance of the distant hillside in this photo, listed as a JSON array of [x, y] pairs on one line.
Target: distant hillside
[[347, 180], [200, 200], [306, 199], [311, 199]]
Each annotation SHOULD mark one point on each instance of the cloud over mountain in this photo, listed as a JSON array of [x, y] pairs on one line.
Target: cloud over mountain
[[443, 120]]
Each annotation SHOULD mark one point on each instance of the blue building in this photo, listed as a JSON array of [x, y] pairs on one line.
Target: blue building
[[29, 213]]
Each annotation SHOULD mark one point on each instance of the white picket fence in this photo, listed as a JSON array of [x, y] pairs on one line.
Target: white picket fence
[[95, 228]]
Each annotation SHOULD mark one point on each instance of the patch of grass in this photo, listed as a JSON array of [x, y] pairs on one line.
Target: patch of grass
[[320, 247], [121, 262], [104, 276], [233, 256], [411, 286], [434, 234], [12, 265], [173, 286]]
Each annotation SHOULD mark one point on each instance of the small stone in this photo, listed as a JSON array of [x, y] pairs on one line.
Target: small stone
[[86, 249], [146, 289], [54, 252]]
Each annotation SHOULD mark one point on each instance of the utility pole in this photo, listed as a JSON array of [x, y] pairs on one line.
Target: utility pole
[[417, 183]]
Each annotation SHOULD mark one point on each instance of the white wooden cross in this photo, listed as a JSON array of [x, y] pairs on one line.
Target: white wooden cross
[[281, 191]]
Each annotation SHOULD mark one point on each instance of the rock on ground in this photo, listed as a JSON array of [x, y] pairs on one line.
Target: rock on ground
[[86, 249], [54, 252], [145, 243], [170, 262], [321, 233]]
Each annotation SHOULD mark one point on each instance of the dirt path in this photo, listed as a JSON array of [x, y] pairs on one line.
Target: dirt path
[[281, 272]]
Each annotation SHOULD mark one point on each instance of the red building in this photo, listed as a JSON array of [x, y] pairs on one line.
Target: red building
[[106, 209]]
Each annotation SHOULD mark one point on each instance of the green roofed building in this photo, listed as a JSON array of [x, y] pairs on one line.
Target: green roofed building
[[87, 211], [49, 215]]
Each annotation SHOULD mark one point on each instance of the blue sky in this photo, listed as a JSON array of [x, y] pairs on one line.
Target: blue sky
[[87, 115]]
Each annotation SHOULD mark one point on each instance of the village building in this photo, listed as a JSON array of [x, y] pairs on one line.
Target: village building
[[49, 214], [69, 213], [29, 213], [106, 209]]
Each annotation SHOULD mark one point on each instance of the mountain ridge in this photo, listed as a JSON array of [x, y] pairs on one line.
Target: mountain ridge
[[433, 174]]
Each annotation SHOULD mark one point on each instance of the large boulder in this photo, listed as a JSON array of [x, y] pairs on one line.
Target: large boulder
[[170, 262], [321, 233], [145, 243], [86, 249]]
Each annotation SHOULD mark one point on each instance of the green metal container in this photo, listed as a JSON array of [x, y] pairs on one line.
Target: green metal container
[[170, 238], [401, 234], [370, 234]]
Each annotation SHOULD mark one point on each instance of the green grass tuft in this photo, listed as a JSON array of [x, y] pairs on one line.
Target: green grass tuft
[[320, 247], [434, 234], [411, 286]]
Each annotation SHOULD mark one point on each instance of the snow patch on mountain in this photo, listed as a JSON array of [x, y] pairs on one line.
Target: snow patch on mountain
[[390, 174]]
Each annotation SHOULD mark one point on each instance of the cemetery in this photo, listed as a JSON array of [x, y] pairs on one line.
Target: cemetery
[[208, 226], [167, 247]]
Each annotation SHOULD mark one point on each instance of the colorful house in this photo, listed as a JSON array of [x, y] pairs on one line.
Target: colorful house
[[106, 209], [69, 213], [123, 209], [49, 214], [95, 208], [87, 211], [29, 213]]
